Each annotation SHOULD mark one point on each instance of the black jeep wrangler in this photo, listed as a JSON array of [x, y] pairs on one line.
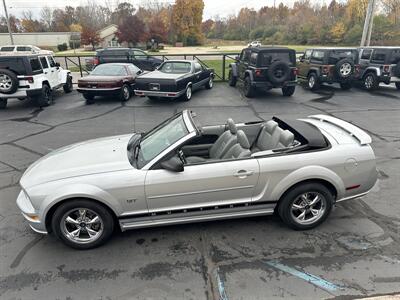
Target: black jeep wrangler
[[265, 68], [379, 64], [330, 65]]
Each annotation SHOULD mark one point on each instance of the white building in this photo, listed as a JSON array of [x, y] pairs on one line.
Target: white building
[[40, 39]]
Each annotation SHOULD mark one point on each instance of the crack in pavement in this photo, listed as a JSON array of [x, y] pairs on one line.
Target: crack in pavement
[[15, 263]]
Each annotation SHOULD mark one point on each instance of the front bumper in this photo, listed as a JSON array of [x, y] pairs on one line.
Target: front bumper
[[30, 214], [144, 93]]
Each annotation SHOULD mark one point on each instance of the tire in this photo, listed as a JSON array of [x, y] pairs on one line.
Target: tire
[[345, 86], [101, 230], [188, 94], [89, 98], [344, 68], [67, 87], [231, 79], [370, 81], [249, 90], [288, 90], [398, 85], [45, 98], [125, 93], [313, 82], [3, 103], [279, 72], [396, 69], [210, 83], [8, 81], [292, 216]]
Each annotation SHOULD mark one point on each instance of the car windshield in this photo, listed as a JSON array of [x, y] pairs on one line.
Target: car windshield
[[109, 70], [268, 58], [160, 138], [176, 67]]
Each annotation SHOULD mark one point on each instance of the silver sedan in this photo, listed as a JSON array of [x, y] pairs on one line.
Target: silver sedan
[[182, 172]]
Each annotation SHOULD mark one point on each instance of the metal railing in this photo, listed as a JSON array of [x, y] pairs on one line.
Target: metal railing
[[83, 64]]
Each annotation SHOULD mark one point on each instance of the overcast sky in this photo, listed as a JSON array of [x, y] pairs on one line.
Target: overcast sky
[[212, 8]]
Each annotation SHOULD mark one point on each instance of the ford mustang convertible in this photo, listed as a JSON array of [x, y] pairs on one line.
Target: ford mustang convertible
[[183, 172]]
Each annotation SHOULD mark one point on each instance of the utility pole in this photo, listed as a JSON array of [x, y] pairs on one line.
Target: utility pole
[[369, 18], [8, 22]]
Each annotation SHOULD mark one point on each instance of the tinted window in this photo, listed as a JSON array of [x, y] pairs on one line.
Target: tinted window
[[23, 48], [342, 53], [395, 56], [176, 67], [268, 58], [7, 48], [44, 62], [139, 53], [246, 55], [253, 58], [13, 63], [366, 54], [35, 65], [318, 55], [379, 56], [113, 53], [109, 70], [51, 61], [197, 67]]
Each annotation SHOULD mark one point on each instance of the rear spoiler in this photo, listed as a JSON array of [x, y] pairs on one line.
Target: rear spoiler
[[352, 130]]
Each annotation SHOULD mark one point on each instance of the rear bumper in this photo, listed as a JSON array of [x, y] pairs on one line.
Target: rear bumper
[[144, 93], [22, 93], [98, 91], [267, 84]]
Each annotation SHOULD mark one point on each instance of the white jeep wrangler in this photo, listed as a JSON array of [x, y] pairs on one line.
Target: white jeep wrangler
[[27, 75]]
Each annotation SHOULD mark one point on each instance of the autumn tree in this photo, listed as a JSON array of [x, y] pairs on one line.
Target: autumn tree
[[187, 16], [90, 36], [157, 30], [131, 30]]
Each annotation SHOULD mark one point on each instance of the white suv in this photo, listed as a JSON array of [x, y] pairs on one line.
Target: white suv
[[34, 76]]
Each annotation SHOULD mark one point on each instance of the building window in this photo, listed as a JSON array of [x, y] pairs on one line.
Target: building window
[[113, 43]]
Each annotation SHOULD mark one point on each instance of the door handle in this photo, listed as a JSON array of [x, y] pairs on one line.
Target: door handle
[[243, 173]]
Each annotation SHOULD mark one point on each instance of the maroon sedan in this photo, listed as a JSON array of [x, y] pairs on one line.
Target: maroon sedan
[[113, 79]]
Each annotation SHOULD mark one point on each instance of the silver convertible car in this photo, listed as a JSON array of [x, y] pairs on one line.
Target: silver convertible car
[[183, 172]]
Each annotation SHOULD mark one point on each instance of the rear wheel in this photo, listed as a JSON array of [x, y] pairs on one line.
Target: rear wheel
[[345, 85], [249, 90], [288, 90], [306, 206], [45, 98], [313, 82], [3, 103], [67, 87], [398, 85], [89, 98], [231, 79], [210, 83], [188, 94], [82, 224], [370, 82], [125, 93]]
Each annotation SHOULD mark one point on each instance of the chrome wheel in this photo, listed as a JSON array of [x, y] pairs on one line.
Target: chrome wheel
[[5, 82], [125, 92], [345, 69], [189, 93], [308, 208], [311, 82], [369, 82], [81, 225], [210, 82]]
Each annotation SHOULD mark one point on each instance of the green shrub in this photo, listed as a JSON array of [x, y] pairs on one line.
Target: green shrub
[[62, 47]]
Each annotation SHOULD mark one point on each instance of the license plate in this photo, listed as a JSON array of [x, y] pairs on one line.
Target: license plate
[[154, 86]]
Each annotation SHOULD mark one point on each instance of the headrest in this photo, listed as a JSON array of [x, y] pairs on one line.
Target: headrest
[[270, 126], [242, 139], [286, 138], [231, 126]]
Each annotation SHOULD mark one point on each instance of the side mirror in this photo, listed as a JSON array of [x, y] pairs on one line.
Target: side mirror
[[174, 164], [139, 72], [57, 64]]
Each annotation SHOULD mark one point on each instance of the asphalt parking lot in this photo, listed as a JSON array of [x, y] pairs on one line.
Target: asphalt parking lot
[[354, 254]]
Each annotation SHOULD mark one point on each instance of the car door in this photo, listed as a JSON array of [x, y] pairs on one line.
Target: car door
[[54, 73], [304, 63], [198, 76], [46, 68], [365, 57], [201, 185]]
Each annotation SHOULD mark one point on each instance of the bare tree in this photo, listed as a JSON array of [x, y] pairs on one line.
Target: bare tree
[[46, 17]]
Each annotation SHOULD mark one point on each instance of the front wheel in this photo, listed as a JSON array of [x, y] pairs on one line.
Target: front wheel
[[125, 93], [45, 98], [67, 87], [398, 85], [210, 83], [82, 224], [248, 88], [313, 83], [188, 94], [305, 206], [288, 90], [3, 103], [89, 98]]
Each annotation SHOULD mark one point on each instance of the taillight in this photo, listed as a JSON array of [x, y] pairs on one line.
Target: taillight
[[295, 71], [386, 68], [258, 72], [95, 61], [28, 78], [357, 69], [326, 70]]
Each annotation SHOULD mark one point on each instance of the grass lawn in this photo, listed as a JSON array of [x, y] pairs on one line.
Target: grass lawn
[[216, 64]]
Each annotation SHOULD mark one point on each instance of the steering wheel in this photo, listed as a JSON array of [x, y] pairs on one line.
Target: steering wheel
[[182, 157]]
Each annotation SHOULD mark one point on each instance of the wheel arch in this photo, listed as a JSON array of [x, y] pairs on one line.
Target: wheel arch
[[233, 66], [374, 70], [313, 70], [249, 74]]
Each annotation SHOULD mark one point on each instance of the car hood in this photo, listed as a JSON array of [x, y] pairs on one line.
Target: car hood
[[89, 157], [94, 78], [161, 75]]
